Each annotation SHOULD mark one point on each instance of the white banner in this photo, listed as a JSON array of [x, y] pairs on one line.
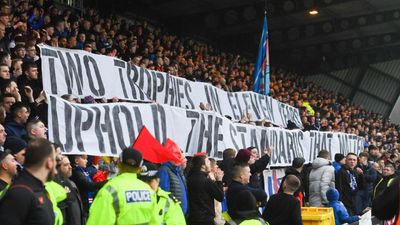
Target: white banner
[[80, 73], [105, 129]]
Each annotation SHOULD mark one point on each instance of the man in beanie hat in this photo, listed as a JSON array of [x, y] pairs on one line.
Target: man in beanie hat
[[249, 157], [17, 147], [169, 211], [295, 169], [125, 199]]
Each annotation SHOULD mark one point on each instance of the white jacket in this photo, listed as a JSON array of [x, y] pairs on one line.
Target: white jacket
[[322, 177]]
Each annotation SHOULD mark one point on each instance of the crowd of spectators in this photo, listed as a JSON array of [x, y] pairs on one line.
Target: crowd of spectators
[[26, 23]]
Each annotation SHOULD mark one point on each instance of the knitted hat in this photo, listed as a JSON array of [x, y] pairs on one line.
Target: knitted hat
[[243, 156], [298, 162], [338, 157], [15, 144]]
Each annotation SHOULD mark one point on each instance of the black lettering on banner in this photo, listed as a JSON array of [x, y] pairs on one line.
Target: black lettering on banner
[[253, 139], [116, 111], [242, 130], [245, 97], [290, 150], [270, 109], [233, 106], [159, 122], [54, 122], [176, 92], [282, 148], [167, 90], [133, 77], [161, 83], [283, 112], [296, 118], [207, 133], [188, 90], [273, 142], [254, 105], [148, 77], [194, 117], [241, 112], [343, 140], [77, 128], [69, 140], [53, 79], [233, 133], [101, 90], [138, 119], [75, 71], [179, 90], [121, 65], [313, 146], [264, 143], [171, 91], [213, 98], [217, 137], [153, 85], [97, 130], [68, 79], [201, 133], [107, 127], [261, 99], [52, 70]]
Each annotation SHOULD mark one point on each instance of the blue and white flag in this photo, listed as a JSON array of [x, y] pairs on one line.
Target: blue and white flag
[[261, 71]]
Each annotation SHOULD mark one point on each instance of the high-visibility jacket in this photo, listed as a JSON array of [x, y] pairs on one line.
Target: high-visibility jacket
[[3, 192], [124, 200], [258, 221], [57, 194], [169, 209]]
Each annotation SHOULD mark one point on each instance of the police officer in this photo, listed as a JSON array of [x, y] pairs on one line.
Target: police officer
[[125, 199], [169, 211]]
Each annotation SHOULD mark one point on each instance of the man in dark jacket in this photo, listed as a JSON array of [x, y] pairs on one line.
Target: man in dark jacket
[[27, 201], [381, 184], [284, 208], [30, 77], [240, 178], [295, 169], [19, 116], [87, 188], [386, 205], [202, 191], [366, 177], [227, 164], [72, 209], [346, 183]]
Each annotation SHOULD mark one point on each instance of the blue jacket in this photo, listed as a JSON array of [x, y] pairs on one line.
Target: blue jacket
[[15, 129], [165, 183], [340, 212], [337, 166]]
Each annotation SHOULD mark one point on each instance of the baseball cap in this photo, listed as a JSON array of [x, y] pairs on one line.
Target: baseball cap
[[131, 157], [149, 172]]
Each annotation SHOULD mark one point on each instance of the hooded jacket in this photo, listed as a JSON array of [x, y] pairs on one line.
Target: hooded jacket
[[322, 177], [340, 212]]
